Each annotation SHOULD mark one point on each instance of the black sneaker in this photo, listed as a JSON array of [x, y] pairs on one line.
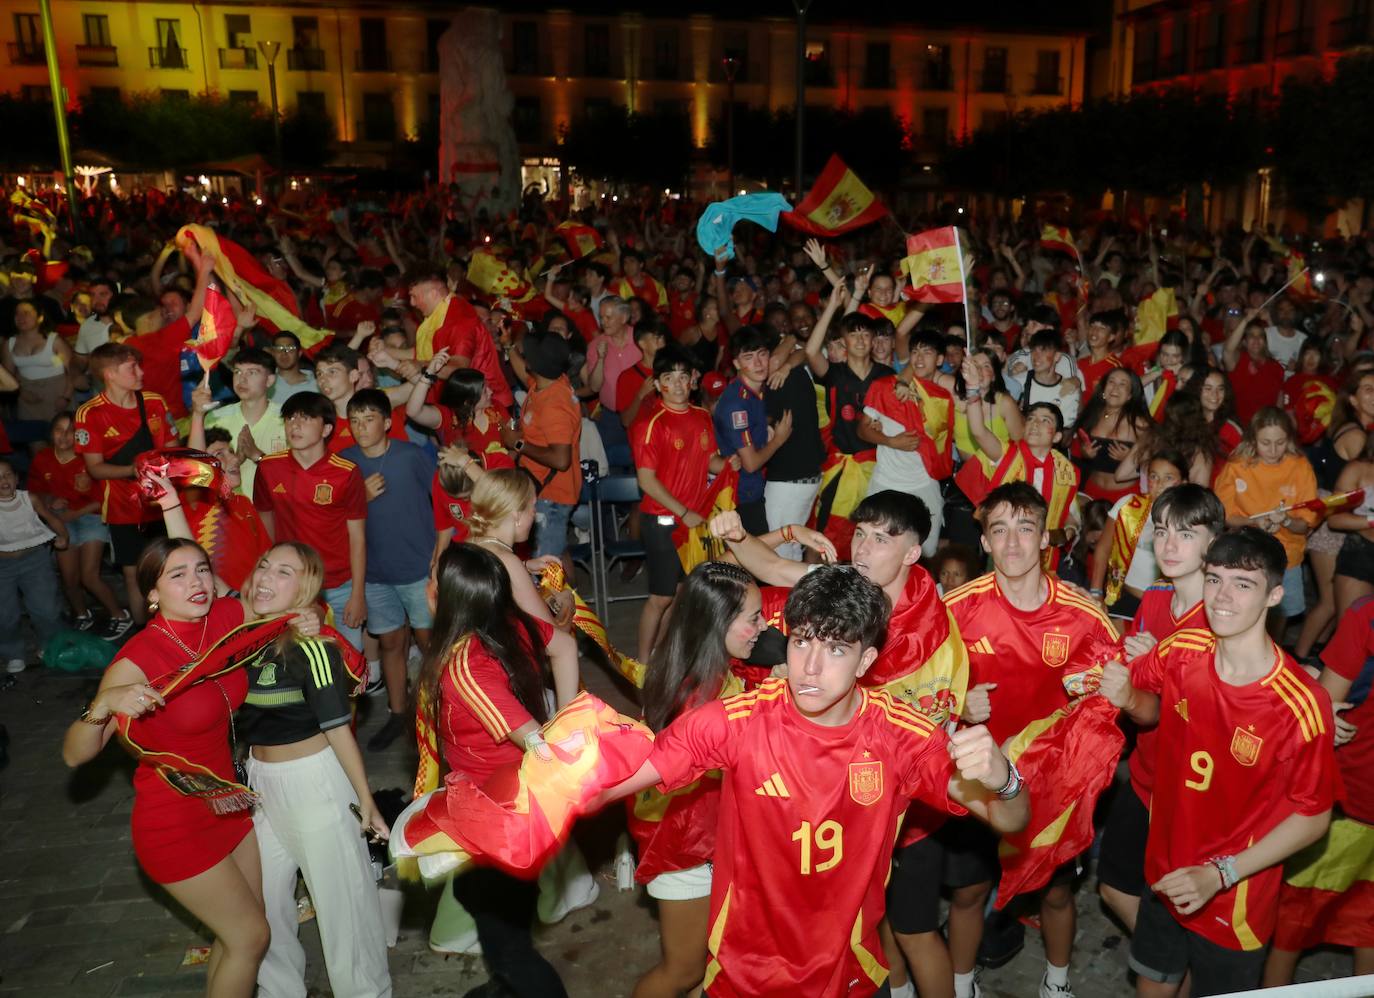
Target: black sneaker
[[375, 688], [394, 728], [118, 627], [84, 622]]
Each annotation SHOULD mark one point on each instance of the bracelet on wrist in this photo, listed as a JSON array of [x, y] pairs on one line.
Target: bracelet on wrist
[[168, 509], [1013, 785], [86, 717]]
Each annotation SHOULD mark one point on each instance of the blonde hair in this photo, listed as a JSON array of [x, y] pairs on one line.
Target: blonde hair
[[311, 584], [1270, 415], [455, 481], [498, 495]]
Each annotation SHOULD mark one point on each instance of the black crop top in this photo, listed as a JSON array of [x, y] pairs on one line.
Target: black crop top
[[303, 692]]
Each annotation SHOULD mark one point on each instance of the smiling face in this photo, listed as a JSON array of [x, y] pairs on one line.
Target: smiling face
[[858, 343], [883, 347], [1236, 600], [1014, 538], [925, 360], [1213, 392], [1171, 357], [675, 388], [1179, 550], [186, 587], [63, 435], [1363, 398], [1116, 389], [9, 481], [882, 290], [821, 675], [1099, 333], [881, 557], [743, 632], [277, 581]]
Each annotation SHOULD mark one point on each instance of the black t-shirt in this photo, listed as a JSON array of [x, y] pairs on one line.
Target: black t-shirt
[[800, 457], [844, 395], [301, 693]]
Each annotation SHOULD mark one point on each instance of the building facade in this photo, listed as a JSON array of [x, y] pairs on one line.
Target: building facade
[[372, 67]]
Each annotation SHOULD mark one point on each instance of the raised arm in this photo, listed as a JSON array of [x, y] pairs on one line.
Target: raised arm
[[815, 343]]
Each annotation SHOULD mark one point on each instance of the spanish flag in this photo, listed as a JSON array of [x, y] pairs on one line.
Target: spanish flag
[[215, 334], [695, 544], [1153, 314], [838, 203], [1059, 239], [552, 581], [494, 276], [1332, 504], [936, 269], [520, 817], [1327, 897], [1126, 530], [924, 661], [1164, 390], [581, 240], [1311, 398], [1066, 759], [844, 483]]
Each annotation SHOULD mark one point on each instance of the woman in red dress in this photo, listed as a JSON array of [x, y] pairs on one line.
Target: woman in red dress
[[207, 862]]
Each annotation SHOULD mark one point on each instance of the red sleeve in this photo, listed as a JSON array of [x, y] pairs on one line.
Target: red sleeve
[[262, 488], [926, 769], [457, 332], [642, 444], [1105, 645], [696, 742], [483, 689], [625, 389], [354, 499], [88, 439], [1313, 780], [1352, 644], [168, 436], [1147, 672]]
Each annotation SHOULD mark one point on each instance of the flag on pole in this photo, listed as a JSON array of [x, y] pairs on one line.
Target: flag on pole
[[1059, 239], [935, 266], [495, 276], [838, 203], [1332, 504], [581, 240], [216, 331]]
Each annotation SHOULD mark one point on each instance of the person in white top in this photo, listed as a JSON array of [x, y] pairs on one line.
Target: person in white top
[[254, 422], [39, 358], [1283, 337], [95, 328], [26, 567], [1046, 380]]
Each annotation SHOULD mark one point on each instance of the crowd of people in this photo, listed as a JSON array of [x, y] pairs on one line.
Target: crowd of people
[[1137, 469]]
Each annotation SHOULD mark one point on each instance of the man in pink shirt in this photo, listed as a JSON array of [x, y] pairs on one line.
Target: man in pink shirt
[[610, 355]]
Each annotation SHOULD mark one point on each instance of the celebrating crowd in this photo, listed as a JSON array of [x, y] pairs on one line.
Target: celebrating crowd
[[916, 569]]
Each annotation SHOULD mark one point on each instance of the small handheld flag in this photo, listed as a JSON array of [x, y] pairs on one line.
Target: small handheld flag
[[935, 266], [216, 332]]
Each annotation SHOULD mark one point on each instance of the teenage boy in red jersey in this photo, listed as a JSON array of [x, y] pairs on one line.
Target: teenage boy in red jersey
[[818, 773], [1245, 777], [309, 495], [1187, 519], [1024, 632], [674, 451], [112, 429]]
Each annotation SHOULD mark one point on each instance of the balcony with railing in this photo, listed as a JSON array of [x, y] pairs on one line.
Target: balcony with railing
[[97, 55], [305, 59], [937, 76], [238, 58], [26, 54], [993, 81], [167, 57], [1297, 41], [1044, 85], [372, 61]]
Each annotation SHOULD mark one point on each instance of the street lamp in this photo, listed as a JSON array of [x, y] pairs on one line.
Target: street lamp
[[801, 6], [269, 51], [731, 64]]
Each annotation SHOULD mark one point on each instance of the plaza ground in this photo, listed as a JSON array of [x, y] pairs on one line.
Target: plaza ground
[[78, 918]]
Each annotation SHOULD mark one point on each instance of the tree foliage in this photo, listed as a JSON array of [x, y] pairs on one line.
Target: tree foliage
[[871, 142], [653, 148]]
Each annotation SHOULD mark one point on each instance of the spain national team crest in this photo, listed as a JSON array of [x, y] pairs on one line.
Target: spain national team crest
[[455, 510], [1246, 745], [865, 782], [324, 494], [1054, 649]]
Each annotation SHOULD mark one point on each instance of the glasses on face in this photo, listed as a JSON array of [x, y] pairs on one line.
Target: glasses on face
[[286, 349]]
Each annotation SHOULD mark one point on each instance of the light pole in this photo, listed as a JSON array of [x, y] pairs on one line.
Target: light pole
[[59, 108], [731, 64], [269, 51], [801, 7]]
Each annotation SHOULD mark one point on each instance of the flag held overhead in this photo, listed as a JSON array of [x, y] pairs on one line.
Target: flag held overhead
[[935, 266], [840, 202]]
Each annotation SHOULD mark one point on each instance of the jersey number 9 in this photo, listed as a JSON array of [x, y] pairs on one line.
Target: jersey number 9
[[1202, 766]]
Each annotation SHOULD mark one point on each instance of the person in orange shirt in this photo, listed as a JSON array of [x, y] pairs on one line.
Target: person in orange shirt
[[545, 442], [1266, 477]]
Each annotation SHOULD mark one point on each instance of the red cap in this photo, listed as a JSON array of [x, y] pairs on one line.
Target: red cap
[[713, 384]]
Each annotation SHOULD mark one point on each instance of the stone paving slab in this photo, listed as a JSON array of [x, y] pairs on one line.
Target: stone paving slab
[[78, 918]]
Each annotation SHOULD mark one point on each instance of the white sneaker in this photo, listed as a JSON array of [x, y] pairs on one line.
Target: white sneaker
[[453, 930], [565, 885], [1048, 990], [15, 665]]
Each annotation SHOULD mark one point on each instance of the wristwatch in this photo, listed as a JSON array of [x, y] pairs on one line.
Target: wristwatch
[[519, 445]]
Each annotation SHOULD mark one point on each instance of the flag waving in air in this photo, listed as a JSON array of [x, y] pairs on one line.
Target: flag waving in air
[[717, 222], [1059, 239], [581, 240], [216, 332], [937, 270], [838, 203], [496, 277]]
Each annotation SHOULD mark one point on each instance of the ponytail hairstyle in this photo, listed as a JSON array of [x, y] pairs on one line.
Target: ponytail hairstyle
[[498, 495]]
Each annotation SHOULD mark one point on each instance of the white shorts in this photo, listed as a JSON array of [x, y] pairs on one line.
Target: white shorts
[[681, 885]]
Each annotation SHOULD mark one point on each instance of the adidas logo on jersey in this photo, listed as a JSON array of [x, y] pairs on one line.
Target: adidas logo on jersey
[[773, 787], [1182, 708], [110, 431], [982, 646]]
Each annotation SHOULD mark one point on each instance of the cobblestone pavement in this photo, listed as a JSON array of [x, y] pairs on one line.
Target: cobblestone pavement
[[77, 917]]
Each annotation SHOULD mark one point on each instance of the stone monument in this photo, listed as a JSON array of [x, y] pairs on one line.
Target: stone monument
[[477, 147]]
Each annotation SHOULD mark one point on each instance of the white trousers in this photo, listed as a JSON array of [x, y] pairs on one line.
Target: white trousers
[[304, 824], [787, 503]]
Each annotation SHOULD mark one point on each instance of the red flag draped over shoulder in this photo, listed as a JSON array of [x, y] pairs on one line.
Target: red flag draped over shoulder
[[838, 203], [1066, 759], [241, 273], [923, 661]]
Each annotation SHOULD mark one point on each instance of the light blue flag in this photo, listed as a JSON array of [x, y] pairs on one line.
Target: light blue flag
[[718, 220]]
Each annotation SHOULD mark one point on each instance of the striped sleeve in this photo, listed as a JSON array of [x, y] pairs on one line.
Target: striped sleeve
[[484, 690], [326, 684]]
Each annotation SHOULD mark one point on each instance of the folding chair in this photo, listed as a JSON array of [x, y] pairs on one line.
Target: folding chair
[[612, 491]]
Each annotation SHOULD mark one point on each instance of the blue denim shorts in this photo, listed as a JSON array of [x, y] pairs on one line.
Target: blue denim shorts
[[85, 529], [389, 607], [1294, 602], [551, 527]]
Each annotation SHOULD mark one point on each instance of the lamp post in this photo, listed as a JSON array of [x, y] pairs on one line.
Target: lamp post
[[801, 7], [731, 64], [59, 108], [270, 51]]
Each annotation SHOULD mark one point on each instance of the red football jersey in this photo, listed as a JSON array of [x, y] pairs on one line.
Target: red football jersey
[[808, 819], [464, 335], [231, 533], [1090, 372], [313, 505], [342, 438], [1156, 617], [1027, 653], [678, 447], [161, 351], [1232, 763], [450, 511], [479, 709], [71, 481], [1350, 654], [103, 428]]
